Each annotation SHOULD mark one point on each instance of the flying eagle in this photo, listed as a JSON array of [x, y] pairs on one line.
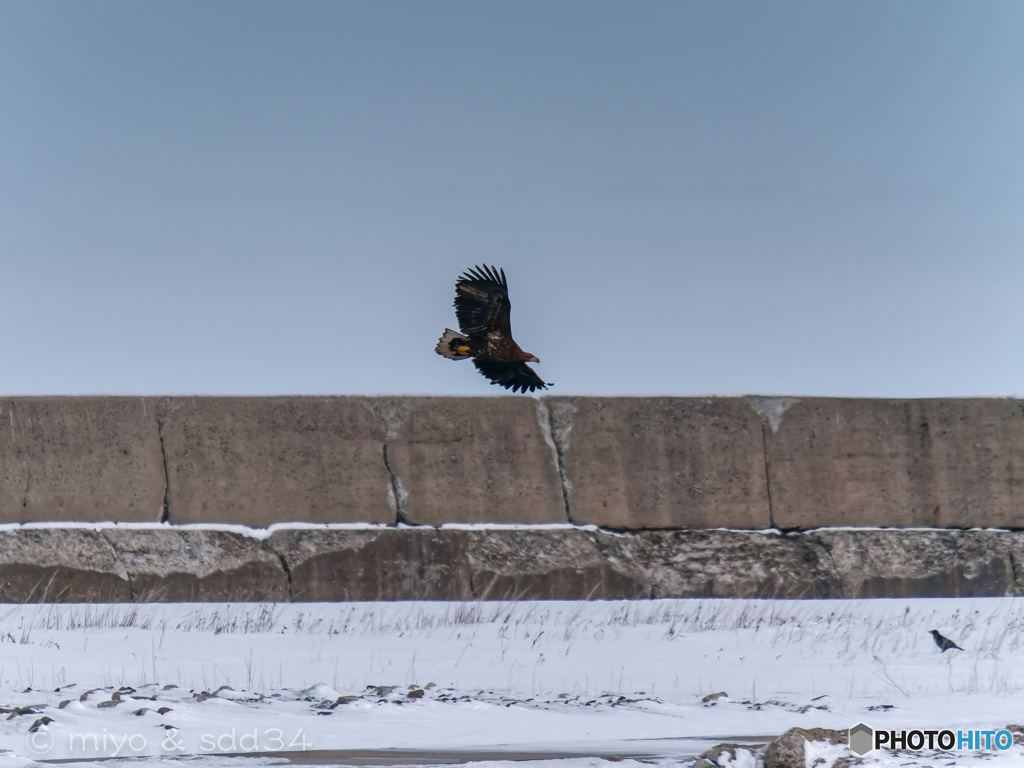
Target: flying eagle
[[482, 309]]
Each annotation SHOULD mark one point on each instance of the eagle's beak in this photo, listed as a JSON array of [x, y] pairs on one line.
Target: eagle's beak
[[533, 359]]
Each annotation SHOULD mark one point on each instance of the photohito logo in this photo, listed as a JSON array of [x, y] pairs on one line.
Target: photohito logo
[[863, 738]]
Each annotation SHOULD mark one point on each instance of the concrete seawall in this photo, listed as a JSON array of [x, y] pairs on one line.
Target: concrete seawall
[[663, 472], [619, 463]]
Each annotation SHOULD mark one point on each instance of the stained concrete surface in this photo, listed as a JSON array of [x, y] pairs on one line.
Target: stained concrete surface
[[168, 563]]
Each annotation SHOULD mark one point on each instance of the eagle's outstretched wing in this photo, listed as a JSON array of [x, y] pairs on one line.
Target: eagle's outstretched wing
[[482, 308], [481, 302], [511, 375]]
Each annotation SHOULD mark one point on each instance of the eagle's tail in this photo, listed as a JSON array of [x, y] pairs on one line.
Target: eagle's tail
[[453, 345]]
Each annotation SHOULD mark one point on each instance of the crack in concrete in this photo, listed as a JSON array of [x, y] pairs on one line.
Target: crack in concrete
[[165, 511], [133, 592], [287, 571], [555, 428], [771, 410], [767, 475], [397, 495], [390, 412], [119, 556], [28, 470], [24, 499], [826, 547], [1014, 587]]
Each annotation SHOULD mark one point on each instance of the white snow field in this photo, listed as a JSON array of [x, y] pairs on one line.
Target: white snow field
[[577, 683]]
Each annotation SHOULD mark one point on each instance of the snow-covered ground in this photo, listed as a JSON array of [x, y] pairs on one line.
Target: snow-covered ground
[[434, 681]]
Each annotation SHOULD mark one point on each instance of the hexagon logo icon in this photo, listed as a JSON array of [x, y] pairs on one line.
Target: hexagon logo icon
[[862, 739]]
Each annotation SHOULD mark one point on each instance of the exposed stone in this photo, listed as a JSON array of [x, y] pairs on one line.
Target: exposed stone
[[451, 565], [659, 462], [170, 563], [385, 564], [80, 458], [475, 460], [552, 564], [265, 460], [59, 565], [575, 564], [182, 565], [894, 563], [725, 755], [787, 750], [734, 563], [940, 463]]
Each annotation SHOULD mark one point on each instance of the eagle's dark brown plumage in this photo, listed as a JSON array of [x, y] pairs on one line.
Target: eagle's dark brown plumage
[[482, 309]]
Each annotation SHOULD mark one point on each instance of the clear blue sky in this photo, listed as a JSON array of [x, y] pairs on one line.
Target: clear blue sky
[[245, 197]]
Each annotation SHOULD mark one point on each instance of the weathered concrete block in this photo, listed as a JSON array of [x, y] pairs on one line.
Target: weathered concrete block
[[453, 564], [894, 563], [386, 564], [470, 460], [168, 563], [659, 462], [734, 564], [941, 463], [59, 565], [562, 564], [80, 458], [171, 564], [259, 461]]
